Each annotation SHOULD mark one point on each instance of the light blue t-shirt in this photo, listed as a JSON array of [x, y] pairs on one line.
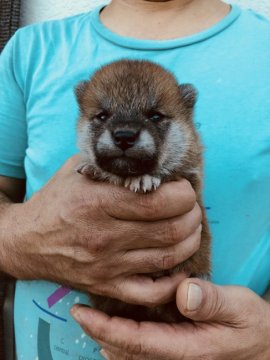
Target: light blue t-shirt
[[229, 64]]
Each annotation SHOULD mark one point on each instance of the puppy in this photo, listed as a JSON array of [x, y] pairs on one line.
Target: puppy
[[136, 130]]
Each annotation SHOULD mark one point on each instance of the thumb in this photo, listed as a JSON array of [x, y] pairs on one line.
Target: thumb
[[201, 300]]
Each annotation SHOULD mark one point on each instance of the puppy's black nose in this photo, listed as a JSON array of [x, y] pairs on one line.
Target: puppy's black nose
[[125, 139]]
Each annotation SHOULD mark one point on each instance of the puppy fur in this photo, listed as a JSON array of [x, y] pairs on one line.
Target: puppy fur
[[136, 130]]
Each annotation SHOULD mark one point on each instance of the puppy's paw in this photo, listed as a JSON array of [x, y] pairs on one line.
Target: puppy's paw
[[86, 169], [143, 183]]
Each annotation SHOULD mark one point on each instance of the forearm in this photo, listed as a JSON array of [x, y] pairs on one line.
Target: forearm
[[6, 227], [5, 203], [13, 225]]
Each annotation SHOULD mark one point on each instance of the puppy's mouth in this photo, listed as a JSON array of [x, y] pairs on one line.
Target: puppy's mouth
[[125, 166]]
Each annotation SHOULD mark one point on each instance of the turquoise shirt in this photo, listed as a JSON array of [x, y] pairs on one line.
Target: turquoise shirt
[[229, 64]]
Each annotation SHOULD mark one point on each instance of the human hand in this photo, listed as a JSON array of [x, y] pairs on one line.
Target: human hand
[[229, 323], [101, 238]]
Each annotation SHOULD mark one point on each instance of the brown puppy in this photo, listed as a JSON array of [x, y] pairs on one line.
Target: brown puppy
[[136, 130]]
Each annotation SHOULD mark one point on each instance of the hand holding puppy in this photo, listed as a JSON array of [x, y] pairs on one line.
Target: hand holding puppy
[[229, 322], [99, 238]]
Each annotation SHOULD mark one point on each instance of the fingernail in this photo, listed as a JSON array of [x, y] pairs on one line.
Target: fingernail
[[194, 297], [104, 354], [75, 312]]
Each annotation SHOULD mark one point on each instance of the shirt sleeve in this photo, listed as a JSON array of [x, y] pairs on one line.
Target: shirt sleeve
[[13, 130]]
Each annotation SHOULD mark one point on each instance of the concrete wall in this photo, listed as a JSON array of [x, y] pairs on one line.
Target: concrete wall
[[39, 10]]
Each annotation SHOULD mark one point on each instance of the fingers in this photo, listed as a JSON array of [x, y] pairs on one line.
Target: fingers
[[141, 290], [160, 233], [203, 301], [169, 200], [113, 353], [103, 327], [142, 261], [125, 339], [134, 339], [158, 259], [141, 341], [149, 260]]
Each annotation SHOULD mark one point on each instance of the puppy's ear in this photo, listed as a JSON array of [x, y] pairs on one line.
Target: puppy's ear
[[189, 94], [79, 91]]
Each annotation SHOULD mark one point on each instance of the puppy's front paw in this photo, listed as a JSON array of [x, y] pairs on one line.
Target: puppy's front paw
[[86, 169], [143, 183]]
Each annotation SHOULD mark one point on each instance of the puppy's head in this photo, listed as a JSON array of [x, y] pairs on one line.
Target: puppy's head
[[135, 119]]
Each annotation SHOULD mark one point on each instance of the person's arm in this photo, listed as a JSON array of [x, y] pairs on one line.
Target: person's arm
[[11, 191]]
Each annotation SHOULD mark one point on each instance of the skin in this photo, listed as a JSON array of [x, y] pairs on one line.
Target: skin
[[177, 18], [74, 232], [229, 322]]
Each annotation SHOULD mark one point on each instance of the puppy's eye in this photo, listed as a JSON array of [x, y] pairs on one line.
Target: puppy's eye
[[155, 116], [102, 116]]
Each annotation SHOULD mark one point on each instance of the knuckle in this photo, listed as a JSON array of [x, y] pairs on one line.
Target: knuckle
[[214, 303], [100, 335], [169, 261], [173, 232], [81, 205], [193, 246], [151, 303], [189, 192], [96, 247], [150, 204], [218, 304], [133, 348], [101, 289], [97, 243], [159, 297], [197, 238], [197, 213], [166, 260], [100, 271]]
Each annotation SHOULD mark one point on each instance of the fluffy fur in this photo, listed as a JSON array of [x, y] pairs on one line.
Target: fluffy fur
[[136, 130]]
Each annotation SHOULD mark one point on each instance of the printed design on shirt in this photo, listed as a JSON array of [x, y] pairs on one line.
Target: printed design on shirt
[[44, 349], [48, 312], [57, 295], [50, 346], [44, 328], [212, 222]]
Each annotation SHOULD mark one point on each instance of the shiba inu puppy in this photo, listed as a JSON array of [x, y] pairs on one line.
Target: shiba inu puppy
[[136, 130]]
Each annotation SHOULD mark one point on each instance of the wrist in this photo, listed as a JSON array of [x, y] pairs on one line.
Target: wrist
[[13, 235]]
